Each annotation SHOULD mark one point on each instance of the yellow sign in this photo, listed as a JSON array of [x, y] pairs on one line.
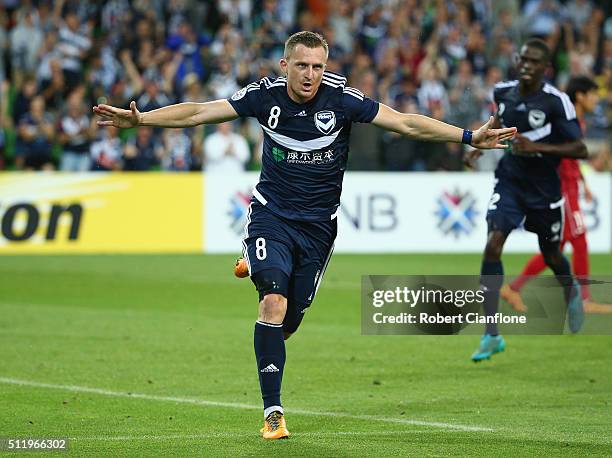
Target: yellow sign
[[99, 212]]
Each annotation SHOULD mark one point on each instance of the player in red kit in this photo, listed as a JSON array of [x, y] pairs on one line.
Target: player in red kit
[[583, 93]]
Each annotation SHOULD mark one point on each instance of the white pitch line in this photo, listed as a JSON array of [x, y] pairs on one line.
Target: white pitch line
[[248, 435], [236, 405]]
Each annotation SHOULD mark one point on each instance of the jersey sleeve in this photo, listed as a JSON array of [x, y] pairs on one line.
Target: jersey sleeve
[[246, 100], [565, 120], [357, 106]]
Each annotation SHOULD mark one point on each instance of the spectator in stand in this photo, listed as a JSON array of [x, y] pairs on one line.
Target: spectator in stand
[[401, 153], [154, 96], [542, 19], [503, 56], [56, 89], [403, 91], [223, 84], [157, 52], [26, 40], [476, 51], [77, 129], [269, 30], [47, 53], [114, 17], [341, 20], [411, 56], [106, 153], [49, 17], [578, 13], [432, 91], [238, 13], [505, 26], [24, 98], [73, 45], [188, 44], [225, 151], [365, 143], [35, 137], [466, 95], [193, 90], [177, 148], [143, 152], [104, 69], [372, 28], [454, 46]]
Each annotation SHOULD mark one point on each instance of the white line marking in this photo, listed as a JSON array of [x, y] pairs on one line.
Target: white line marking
[[247, 435], [236, 405]]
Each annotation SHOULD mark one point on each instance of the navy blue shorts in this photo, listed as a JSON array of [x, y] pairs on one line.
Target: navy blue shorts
[[511, 205], [296, 254]]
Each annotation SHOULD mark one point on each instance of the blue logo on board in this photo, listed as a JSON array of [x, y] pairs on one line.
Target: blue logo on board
[[456, 213]]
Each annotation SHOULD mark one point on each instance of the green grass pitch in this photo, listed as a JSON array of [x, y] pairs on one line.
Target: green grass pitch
[[152, 356]]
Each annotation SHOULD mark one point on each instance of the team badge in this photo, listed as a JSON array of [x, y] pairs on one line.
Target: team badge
[[239, 94], [325, 121], [536, 118]]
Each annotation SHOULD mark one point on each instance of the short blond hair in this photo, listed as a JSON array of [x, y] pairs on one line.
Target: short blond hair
[[306, 38]]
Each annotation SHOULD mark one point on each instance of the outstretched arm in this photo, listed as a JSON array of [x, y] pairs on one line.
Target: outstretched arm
[[179, 115], [424, 128]]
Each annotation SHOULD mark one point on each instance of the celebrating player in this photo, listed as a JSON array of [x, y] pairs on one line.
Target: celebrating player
[[527, 186], [306, 116], [582, 91]]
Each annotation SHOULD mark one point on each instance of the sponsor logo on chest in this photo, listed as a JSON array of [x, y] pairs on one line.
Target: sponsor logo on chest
[[315, 157], [303, 157]]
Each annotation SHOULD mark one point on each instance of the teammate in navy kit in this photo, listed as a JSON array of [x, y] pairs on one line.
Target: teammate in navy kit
[[528, 187], [306, 116]]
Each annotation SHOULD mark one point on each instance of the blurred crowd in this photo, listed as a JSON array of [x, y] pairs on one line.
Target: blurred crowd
[[436, 57]]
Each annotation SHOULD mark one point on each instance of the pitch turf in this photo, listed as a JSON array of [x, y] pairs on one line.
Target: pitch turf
[[152, 356]]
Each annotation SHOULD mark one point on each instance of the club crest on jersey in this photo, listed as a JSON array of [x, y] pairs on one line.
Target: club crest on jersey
[[239, 94], [325, 121], [536, 118]]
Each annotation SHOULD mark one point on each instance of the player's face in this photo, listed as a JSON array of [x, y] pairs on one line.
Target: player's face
[[304, 69], [588, 100], [532, 64]]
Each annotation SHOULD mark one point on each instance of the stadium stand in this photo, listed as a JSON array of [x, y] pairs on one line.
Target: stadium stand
[[438, 57]]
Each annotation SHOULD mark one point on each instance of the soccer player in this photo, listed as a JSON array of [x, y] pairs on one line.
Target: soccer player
[[306, 116], [582, 91], [527, 186]]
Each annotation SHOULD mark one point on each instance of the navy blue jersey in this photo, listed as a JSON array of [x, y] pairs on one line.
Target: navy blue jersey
[[546, 116], [305, 148]]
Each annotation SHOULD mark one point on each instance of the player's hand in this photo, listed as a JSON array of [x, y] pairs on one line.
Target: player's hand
[[487, 138], [470, 158], [523, 145], [117, 117]]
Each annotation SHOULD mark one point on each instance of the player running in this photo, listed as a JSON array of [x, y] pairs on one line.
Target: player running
[[527, 187], [306, 116], [582, 91]]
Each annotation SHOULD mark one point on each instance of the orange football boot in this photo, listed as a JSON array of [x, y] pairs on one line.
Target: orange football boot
[[513, 298], [594, 307], [275, 427], [241, 269]]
